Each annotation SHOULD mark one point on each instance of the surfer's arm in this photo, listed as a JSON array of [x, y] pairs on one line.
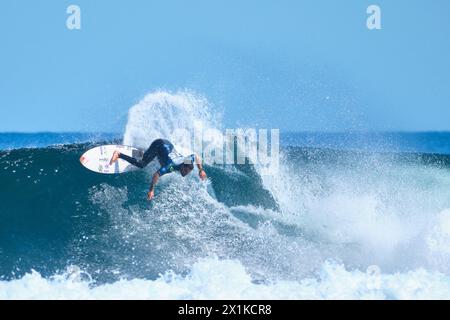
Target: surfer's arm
[[201, 172], [151, 192]]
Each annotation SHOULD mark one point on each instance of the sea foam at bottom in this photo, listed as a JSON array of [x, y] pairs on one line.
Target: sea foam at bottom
[[228, 279]]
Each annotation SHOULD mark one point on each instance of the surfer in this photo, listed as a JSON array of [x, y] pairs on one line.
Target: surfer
[[169, 159]]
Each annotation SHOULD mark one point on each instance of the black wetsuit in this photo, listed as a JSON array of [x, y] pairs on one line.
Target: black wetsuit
[[169, 159]]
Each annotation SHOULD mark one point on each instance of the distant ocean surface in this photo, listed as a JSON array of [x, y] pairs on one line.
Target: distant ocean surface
[[348, 216], [16, 140]]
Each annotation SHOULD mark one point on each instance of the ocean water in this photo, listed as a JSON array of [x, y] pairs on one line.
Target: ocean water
[[353, 216]]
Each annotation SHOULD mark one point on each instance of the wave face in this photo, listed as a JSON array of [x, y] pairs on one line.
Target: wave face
[[312, 231]]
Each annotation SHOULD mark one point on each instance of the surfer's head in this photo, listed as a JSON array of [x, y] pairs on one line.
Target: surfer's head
[[186, 168]]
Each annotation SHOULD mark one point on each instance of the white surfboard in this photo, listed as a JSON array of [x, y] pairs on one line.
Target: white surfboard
[[97, 159]]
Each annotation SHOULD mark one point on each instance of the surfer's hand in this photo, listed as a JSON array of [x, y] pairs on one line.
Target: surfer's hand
[[202, 175], [150, 195]]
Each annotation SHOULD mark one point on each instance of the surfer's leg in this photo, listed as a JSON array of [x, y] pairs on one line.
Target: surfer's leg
[[133, 161], [148, 156]]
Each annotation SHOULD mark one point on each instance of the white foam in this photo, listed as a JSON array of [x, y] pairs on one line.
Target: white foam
[[378, 212], [438, 239], [162, 114], [228, 279]]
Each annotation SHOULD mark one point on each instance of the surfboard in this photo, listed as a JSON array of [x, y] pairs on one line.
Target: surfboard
[[97, 159]]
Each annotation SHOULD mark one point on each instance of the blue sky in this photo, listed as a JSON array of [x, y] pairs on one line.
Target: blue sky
[[294, 65]]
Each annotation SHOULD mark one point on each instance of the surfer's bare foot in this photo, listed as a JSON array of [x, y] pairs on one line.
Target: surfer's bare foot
[[114, 158]]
